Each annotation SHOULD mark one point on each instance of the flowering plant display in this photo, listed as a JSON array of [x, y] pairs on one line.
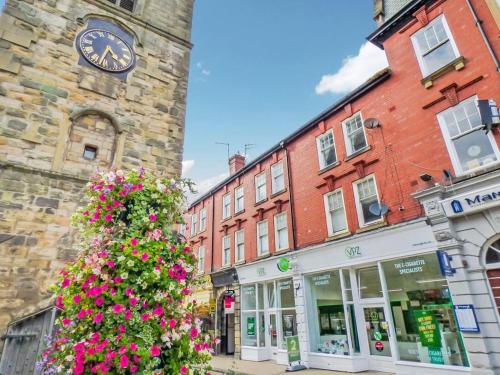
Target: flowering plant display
[[123, 301]]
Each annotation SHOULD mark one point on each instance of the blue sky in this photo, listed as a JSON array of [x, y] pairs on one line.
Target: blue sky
[[260, 69]]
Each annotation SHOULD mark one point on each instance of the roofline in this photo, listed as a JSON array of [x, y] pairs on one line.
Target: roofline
[[388, 28], [376, 79]]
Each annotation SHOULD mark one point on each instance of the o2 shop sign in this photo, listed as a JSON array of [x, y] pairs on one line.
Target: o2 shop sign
[[472, 202], [353, 251]]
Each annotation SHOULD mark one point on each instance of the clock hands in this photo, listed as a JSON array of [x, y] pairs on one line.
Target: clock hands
[[105, 53]]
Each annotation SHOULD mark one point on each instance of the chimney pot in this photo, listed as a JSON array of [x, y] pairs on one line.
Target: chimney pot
[[236, 162]]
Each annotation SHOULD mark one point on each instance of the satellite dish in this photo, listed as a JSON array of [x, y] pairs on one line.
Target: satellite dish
[[379, 209], [371, 123]]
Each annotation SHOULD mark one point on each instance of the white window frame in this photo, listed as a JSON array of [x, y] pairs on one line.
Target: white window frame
[[455, 160], [347, 140], [224, 247], [194, 222], [278, 246], [423, 67], [239, 197], [237, 244], [321, 159], [203, 219], [260, 224], [226, 206], [329, 223], [359, 208], [201, 259], [274, 177], [257, 178]]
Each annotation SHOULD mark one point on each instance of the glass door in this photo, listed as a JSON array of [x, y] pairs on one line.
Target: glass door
[[377, 330], [273, 331]]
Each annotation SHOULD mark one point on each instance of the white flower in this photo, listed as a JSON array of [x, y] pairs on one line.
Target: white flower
[[124, 275], [130, 263], [121, 258]]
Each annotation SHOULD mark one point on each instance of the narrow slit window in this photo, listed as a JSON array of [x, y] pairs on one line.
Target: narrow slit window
[[90, 152]]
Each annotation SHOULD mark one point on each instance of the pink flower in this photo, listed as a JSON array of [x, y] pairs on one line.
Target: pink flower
[[124, 361], [59, 302], [121, 328], [145, 316], [65, 283], [154, 351], [102, 197], [82, 314], [66, 322], [108, 217], [158, 311], [111, 264], [193, 333], [116, 203], [139, 186], [98, 318], [172, 323], [132, 301], [153, 217], [134, 241], [134, 252], [184, 370], [99, 301], [144, 257], [133, 347], [117, 308], [128, 315], [117, 279], [186, 291], [133, 369]]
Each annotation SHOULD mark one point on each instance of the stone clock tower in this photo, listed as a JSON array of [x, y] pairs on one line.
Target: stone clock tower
[[83, 84]]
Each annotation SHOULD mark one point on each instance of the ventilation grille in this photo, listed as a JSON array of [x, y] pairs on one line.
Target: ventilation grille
[[125, 4]]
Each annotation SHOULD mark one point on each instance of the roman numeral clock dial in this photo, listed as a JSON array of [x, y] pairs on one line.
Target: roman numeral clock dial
[[106, 50]]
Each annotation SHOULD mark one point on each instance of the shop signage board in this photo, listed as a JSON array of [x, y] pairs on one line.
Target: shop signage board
[[466, 318], [428, 329], [436, 356], [353, 251], [292, 346], [379, 345], [283, 264], [445, 263], [250, 325], [472, 202]]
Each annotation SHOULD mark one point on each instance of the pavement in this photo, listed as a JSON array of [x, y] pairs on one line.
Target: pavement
[[227, 365]]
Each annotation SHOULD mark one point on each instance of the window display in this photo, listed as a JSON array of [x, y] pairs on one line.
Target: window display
[[426, 330]]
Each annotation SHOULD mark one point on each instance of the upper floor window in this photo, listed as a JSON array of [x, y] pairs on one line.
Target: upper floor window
[[326, 149], [203, 219], [278, 178], [354, 134], [226, 206], [336, 220], [194, 222], [201, 259], [239, 245], [262, 238], [468, 145], [434, 46], [260, 187], [182, 229], [281, 231], [366, 195], [125, 4], [226, 250], [239, 199]]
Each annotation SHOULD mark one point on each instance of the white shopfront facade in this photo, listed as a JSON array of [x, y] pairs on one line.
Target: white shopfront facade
[[359, 304]]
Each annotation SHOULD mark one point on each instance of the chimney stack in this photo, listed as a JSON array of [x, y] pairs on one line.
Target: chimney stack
[[236, 162]]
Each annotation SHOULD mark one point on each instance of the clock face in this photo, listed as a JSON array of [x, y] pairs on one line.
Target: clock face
[[105, 50]]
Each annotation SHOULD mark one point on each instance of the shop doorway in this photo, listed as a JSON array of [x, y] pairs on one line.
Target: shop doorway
[[227, 343], [377, 330], [272, 333]]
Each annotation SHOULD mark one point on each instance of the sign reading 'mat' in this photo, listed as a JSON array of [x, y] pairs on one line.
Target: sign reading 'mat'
[[474, 201]]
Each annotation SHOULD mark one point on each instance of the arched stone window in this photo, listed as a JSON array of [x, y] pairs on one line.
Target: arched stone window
[[91, 144], [492, 263]]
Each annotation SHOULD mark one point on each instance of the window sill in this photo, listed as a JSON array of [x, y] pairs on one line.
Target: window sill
[[357, 153], [240, 262], [331, 166], [263, 256], [225, 267], [226, 219], [278, 193], [260, 202], [457, 64], [281, 251], [338, 236], [371, 226], [476, 172], [239, 213]]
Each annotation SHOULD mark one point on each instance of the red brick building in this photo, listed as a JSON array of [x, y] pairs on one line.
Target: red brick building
[[338, 206]]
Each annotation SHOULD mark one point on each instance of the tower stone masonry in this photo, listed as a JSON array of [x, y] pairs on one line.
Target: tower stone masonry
[[83, 85]]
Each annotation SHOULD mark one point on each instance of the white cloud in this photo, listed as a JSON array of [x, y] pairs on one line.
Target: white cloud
[[205, 72], [187, 165], [205, 185], [199, 64], [354, 70]]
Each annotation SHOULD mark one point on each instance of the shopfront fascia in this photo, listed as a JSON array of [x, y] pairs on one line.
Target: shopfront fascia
[[362, 304]]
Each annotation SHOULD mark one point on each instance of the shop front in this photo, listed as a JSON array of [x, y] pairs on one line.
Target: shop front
[[375, 301]]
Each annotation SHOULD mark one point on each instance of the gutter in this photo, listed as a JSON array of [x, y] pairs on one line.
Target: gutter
[[290, 196]]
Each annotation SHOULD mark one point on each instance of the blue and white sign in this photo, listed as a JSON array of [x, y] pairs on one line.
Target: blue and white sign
[[445, 263], [474, 201], [466, 318]]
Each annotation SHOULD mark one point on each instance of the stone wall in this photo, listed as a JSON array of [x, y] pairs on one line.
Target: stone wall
[[51, 106]]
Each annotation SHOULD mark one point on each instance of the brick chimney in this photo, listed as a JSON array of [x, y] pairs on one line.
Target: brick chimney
[[236, 162]]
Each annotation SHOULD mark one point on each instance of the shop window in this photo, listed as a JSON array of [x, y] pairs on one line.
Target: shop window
[[249, 324], [468, 144], [369, 282], [336, 220], [326, 149], [422, 310], [354, 134], [326, 314], [434, 46], [366, 195]]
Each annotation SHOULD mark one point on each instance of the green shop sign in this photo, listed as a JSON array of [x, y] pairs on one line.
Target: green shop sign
[[251, 326], [428, 329], [436, 356], [292, 346], [283, 264]]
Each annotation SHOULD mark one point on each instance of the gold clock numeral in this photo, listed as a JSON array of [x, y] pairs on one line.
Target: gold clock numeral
[[104, 63], [88, 49], [115, 65], [92, 36], [126, 57], [101, 34], [86, 41], [111, 37], [94, 57], [123, 62]]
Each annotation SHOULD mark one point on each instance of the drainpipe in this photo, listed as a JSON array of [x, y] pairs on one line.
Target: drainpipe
[[479, 25], [290, 193], [212, 239]]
